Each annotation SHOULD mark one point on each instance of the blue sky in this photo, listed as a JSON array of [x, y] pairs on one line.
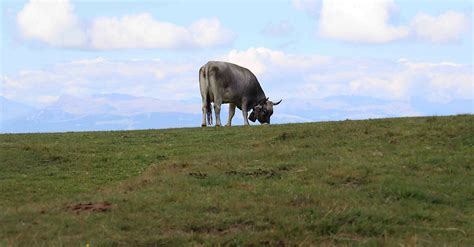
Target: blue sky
[[402, 52]]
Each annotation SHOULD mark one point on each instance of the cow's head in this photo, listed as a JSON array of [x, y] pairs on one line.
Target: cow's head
[[263, 111]]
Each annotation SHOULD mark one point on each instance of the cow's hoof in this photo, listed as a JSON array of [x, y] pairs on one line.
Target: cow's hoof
[[203, 125], [228, 125], [218, 125]]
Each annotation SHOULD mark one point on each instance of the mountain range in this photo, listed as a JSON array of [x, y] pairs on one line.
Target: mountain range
[[126, 112]]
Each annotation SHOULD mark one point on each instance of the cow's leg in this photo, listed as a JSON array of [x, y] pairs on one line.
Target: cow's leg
[[217, 92], [217, 111], [231, 114], [244, 113], [204, 112]]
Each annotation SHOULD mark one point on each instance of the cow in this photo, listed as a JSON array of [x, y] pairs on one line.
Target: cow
[[223, 82]]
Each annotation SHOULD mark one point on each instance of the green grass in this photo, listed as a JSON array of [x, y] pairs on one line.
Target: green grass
[[406, 181]]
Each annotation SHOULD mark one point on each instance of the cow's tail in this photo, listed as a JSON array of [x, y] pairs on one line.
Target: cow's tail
[[205, 77]]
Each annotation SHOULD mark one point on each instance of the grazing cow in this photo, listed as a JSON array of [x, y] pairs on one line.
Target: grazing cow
[[222, 82]]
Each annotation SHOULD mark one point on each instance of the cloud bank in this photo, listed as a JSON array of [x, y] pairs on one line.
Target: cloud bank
[[315, 76], [282, 75], [166, 80], [443, 28], [370, 21], [54, 23], [359, 21]]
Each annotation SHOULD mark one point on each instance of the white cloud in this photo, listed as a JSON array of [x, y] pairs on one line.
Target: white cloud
[[445, 27], [403, 80], [55, 23], [315, 76], [442, 82], [368, 21], [312, 76], [359, 21], [143, 31], [393, 86], [210, 32], [99, 75], [260, 59]]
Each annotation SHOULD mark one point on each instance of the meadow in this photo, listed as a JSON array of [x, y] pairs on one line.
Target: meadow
[[398, 181]]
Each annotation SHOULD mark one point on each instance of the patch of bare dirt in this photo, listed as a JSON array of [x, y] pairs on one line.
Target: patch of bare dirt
[[257, 173], [199, 175], [349, 181], [90, 207]]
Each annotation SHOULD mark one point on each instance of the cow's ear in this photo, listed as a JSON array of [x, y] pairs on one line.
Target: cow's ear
[[261, 102], [252, 116]]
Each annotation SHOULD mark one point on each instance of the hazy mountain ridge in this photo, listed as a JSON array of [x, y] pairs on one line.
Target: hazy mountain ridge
[[10, 109], [126, 112]]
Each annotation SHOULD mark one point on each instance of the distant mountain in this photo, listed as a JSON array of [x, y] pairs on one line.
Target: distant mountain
[[101, 112], [48, 121], [125, 112], [120, 104], [10, 109]]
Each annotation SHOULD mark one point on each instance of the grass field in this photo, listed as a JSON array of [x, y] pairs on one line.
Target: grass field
[[407, 181]]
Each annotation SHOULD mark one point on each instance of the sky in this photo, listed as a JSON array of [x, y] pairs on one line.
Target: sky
[[360, 59]]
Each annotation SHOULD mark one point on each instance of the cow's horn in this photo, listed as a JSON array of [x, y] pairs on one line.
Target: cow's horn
[[277, 102]]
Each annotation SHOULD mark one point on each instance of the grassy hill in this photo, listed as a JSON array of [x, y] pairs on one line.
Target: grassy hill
[[388, 181]]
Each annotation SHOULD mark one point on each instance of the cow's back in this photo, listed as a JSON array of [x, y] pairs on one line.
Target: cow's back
[[231, 82]]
